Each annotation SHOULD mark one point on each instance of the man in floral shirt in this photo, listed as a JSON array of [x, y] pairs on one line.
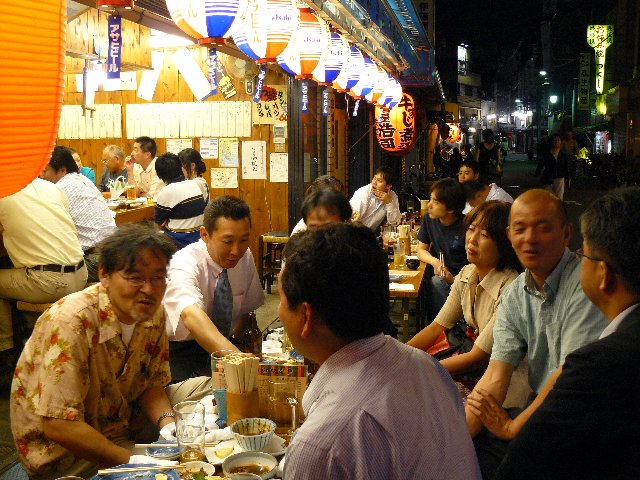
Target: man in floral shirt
[[96, 361]]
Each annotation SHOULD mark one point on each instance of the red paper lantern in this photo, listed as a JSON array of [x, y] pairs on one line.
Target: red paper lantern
[[31, 87], [395, 128]]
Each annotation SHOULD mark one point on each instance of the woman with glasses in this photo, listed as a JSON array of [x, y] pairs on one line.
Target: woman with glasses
[[476, 290]]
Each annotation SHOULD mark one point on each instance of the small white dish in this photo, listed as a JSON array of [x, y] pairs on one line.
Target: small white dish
[[168, 452], [195, 467], [275, 447]]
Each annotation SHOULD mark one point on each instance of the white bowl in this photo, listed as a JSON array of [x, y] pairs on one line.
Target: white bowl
[[251, 458], [195, 467], [253, 434]]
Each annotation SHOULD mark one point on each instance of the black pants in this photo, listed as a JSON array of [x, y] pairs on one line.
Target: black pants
[[187, 360]]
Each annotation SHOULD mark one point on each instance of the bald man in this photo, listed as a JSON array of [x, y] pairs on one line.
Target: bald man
[[543, 314]]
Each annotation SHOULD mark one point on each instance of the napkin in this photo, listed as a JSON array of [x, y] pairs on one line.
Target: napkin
[[216, 434]]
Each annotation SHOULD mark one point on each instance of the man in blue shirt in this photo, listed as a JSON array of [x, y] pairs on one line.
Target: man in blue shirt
[[543, 314]]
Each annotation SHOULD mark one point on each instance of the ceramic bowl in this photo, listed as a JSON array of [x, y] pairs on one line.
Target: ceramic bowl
[[253, 434], [412, 262], [268, 462]]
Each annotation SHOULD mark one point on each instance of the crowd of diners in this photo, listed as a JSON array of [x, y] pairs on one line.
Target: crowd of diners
[[554, 388]]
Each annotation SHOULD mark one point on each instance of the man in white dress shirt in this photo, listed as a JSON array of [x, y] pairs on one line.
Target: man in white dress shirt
[[194, 272], [478, 192], [88, 208], [141, 167], [376, 203], [376, 408]]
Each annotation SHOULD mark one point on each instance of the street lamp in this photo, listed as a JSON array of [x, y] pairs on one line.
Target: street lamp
[[553, 98], [543, 73]]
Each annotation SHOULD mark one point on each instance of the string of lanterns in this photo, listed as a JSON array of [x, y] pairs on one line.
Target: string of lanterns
[[303, 44]]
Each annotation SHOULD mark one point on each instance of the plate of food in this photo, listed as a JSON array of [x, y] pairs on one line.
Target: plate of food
[[141, 474], [395, 278], [166, 450], [217, 454]]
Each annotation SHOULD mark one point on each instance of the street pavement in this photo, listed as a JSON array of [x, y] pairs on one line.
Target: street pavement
[[518, 177]]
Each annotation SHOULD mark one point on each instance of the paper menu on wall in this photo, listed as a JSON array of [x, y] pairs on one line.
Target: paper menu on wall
[[279, 167], [254, 160], [209, 147], [176, 145], [224, 178]]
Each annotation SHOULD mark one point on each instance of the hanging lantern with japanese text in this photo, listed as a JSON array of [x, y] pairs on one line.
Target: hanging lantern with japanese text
[[395, 128], [368, 77], [333, 60], [350, 75], [266, 29], [455, 134], [307, 45], [208, 21]]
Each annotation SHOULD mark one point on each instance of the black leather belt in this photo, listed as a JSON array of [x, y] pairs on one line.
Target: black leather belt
[[59, 268]]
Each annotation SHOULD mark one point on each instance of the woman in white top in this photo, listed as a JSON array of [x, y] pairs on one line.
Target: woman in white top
[[192, 168], [476, 290]]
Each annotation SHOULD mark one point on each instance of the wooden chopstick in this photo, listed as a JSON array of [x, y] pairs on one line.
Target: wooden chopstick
[[169, 445], [108, 471]]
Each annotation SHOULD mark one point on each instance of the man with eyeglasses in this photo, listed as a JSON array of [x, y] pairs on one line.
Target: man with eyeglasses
[[113, 161], [543, 315], [212, 284], [588, 425], [92, 376]]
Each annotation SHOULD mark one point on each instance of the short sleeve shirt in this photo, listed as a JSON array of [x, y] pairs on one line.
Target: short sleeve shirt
[[76, 367], [448, 240], [545, 326]]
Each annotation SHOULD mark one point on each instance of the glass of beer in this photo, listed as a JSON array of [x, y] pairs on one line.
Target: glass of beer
[[131, 192], [282, 406], [398, 255], [190, 430]]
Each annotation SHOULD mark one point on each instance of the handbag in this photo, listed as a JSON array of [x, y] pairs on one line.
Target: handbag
[[458, 339]]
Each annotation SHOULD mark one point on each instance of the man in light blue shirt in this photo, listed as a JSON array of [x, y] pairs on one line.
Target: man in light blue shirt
[[543, 314]]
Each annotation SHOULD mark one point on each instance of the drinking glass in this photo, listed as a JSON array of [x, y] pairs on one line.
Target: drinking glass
[[131, 192], [190, 430], [282, 405], [398, 255]]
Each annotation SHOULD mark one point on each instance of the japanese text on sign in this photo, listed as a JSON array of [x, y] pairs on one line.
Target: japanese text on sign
[[114, 23]]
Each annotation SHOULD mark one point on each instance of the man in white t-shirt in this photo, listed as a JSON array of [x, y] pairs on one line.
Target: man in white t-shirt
[[194, 327], [141, 167], [478, 192], [376, 203]]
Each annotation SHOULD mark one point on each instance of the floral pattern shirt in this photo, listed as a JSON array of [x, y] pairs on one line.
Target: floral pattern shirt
[[75, 366]]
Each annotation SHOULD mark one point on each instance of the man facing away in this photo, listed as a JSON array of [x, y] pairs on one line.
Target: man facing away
[[42, 243], [543, 314], [212, 285], [141, 167], [588, 425], [113, 161], [479, 191], [366, 416], [376, 203], [96, 362], [91, 216]]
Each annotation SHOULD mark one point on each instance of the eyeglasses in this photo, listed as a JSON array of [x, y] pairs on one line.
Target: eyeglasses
[[580, 253], [137, 281]]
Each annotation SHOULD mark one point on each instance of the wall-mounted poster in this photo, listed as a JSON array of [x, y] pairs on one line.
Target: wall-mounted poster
[[224, 178], [254, 160], [209, 147], [272, 107], [279, 167], [228, 152], [176, 145]]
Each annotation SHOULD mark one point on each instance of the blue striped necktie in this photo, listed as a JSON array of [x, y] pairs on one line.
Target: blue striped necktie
[[223, 304]]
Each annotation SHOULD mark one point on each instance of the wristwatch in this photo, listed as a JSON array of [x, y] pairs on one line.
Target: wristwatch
[[163, 416]]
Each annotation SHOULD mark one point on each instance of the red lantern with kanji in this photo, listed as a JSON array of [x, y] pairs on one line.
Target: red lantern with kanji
[[396, 128]]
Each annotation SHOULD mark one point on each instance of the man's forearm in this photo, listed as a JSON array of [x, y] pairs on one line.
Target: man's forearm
[[85, 442], [204, 331]]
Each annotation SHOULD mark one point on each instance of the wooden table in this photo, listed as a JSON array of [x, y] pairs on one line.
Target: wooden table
[[412, 278], [134, 215]]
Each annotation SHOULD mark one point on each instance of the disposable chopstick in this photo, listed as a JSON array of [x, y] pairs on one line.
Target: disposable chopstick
[[169, 445], [108, 471]]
